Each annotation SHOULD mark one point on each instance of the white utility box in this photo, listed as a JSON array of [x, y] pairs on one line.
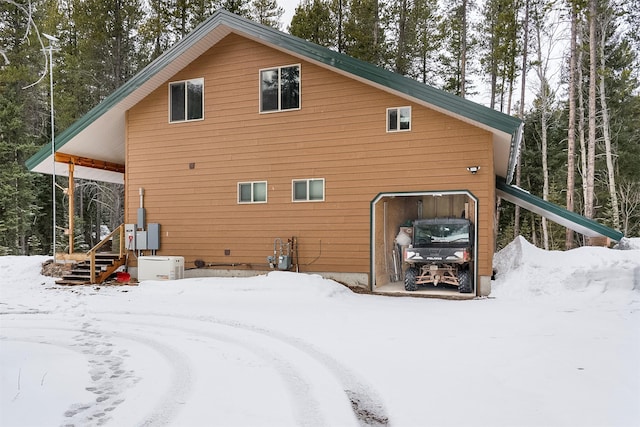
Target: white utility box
[[160, 268]]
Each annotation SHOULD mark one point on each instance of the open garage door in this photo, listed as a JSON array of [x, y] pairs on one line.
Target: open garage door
[[391, 212]]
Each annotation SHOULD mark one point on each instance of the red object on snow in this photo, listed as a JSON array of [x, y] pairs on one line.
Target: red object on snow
[[123, 276]]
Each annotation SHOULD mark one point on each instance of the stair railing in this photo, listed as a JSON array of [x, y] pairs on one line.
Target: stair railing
[[92, 252]]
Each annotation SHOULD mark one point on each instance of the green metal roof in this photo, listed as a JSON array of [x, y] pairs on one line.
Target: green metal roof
[[571, 220], [509, 126]]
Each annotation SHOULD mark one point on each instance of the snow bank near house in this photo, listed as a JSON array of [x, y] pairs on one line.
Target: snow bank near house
[[523, 270], [629, 243], [20, 275], [300, 286]]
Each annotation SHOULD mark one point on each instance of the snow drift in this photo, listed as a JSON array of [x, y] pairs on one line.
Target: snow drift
[[523, 270]]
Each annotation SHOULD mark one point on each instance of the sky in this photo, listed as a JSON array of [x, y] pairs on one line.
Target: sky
[[289, 7], [557, 343]]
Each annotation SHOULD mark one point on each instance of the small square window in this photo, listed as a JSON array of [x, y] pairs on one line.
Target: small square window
[[186, 100], [308, 190], [252, 192], [398, 119]]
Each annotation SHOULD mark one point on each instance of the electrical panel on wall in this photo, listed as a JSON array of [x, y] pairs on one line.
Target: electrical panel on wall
[[141, 240], [130, 237], [153, 236]]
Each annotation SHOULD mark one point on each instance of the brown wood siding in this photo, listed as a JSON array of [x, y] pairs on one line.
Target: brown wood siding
[[339, 134]]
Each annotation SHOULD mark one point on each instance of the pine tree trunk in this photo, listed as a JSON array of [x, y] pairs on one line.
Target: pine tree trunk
[[523, 87], [591, 146], [463, 51], [606, 131], [544, 102], [376, 35], [545, 173], [340, 18], [401, 67], [581, 115], [571, 135]]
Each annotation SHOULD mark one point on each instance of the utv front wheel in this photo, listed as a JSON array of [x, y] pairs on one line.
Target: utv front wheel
[[410, 279], [464, 282]]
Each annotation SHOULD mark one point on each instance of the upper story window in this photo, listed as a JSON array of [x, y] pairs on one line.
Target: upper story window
[[398, 119], [280, 88], [252, 192], [186, 100], [308, 190]]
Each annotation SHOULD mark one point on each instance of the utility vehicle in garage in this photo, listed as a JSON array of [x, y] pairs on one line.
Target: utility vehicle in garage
[[441, 253]]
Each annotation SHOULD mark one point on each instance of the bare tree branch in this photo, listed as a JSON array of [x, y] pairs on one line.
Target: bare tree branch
[[30, 24]]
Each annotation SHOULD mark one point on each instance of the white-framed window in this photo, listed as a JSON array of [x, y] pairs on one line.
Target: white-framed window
[[186, 100], [308, 190], [280, 88], [398, 119], [252, 192]]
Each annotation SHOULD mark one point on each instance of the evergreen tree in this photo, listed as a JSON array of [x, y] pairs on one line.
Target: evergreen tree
[[364, 38], [23, 127], [267, 12], [502, 48], [428, 41], [239, 7], [156, 39], [201, 10], [312, 21], [457, 42], [340, 10], [403, 35]]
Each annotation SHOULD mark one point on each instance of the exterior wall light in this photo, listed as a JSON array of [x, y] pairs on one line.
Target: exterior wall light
[[473, 169]]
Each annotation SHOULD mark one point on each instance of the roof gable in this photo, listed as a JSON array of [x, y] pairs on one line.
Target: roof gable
[[100, 133]]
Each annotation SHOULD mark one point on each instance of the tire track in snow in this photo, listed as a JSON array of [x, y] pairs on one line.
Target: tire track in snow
[[307, 411], [365, 403], [180, 384]]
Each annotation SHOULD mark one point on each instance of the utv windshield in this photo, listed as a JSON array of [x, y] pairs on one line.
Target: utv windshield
[[441, 233]]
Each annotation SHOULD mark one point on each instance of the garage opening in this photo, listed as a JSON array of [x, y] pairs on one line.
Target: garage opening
[[393, 214]]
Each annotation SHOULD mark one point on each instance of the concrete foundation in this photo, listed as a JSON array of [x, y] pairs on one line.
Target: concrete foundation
[[360, 280], [484, 287]]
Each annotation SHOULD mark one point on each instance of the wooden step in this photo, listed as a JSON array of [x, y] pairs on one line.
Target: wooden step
[[66, 282], [80, 274]]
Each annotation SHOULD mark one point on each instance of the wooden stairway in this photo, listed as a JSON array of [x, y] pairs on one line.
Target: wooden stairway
[[105, 265], [98, 266]]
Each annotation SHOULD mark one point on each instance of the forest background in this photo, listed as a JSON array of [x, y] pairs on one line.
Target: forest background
[[568, 68]]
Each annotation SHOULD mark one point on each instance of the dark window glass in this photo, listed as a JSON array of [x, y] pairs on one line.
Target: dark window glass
[[194, 101], [392, 119], [290, 87], [177, 101], [269, 90], [405, 118], [300, 190], [245, 193]]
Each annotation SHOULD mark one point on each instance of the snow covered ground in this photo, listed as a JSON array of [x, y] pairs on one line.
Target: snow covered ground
[[556, 344]]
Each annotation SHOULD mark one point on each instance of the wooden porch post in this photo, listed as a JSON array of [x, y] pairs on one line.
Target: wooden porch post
[[70, 193]]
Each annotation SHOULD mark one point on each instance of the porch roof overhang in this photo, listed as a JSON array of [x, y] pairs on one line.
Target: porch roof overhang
[[555, 213], [101, 133]]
